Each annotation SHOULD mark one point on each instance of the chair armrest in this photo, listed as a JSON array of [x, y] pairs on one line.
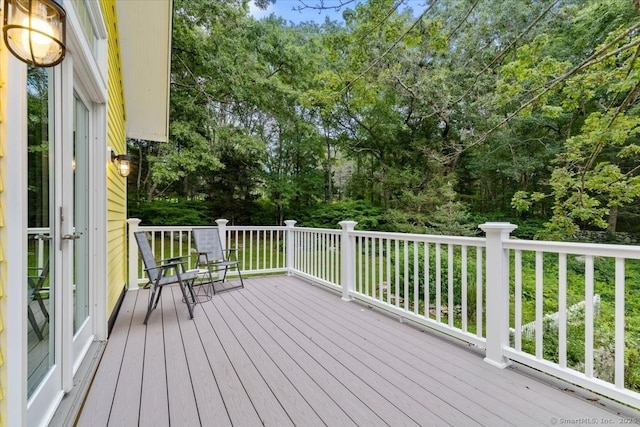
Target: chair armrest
[[166, 266], [174, 259], [232, 252]]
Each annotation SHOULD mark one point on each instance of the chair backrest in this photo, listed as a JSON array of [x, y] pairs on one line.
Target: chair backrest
[[207, 241], [147, 255]]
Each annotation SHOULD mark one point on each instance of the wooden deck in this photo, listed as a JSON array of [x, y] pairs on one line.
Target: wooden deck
[[283, 352]]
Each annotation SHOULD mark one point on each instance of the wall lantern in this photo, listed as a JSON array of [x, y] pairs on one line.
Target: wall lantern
[[35, 30], [122, 162]]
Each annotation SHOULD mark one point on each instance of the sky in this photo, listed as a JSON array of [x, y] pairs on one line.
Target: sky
[[284, 9]]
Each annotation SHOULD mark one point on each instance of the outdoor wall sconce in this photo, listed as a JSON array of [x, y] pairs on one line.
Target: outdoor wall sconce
[[35, 31], [122, 162]]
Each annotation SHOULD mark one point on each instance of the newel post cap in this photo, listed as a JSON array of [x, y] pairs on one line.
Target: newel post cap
[[347, 225]]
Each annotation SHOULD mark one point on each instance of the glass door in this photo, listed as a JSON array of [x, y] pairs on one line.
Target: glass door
[[59, 324], [42, 314], [82, 329]]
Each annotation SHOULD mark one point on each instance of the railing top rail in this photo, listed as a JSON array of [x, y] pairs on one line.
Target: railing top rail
[[191, 227], [256, 227], [317, 230], [430, 238], [37, 230], [173, 227], [593, 249]]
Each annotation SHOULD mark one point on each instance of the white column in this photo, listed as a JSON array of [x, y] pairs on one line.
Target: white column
[[222, 231], [347, 265], [497, 291], [290, 223], [133, 224]]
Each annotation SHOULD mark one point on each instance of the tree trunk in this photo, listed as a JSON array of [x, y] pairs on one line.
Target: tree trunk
[[613, 219]]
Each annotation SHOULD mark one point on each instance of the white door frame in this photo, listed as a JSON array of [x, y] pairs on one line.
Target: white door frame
[[44, 401]]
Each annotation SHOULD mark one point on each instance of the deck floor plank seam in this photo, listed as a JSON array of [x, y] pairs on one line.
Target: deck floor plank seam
[[182, 406], [307, 389], [154, 402], [313, 369], [129, 389], [385, 401], [98, 404], [240, 407], [287, 394], [245, 362], [482, 376], [393, 352], [438, 392], [212, 409], [412, 398]]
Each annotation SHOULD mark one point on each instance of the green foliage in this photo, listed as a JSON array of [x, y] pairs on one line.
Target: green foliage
[[329, 215], [466, 109], [592, 177], [172, 212]]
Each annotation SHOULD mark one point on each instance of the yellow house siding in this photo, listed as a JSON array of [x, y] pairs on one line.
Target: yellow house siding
[[3, 267], [116, 185]]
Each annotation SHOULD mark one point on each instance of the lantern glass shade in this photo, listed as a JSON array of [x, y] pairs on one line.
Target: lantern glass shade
[[122, 162], [34, 31], [124, 165]]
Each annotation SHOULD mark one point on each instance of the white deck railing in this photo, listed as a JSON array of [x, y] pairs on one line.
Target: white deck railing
[[38, 239], [474, 289]]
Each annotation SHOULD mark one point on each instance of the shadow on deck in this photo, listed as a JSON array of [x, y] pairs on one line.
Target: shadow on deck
[[283, 352]]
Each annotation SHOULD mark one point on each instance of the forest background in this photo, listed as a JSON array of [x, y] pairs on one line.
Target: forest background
[[430, 116]]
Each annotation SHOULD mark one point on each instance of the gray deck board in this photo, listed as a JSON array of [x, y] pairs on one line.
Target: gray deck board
[[206, 389], [182, 407], [282, 401], [290, 362], [128, 391], [154, 408], [488, 382], [251, 385], [97, 409], [415, 387], [397, 404], [478, 396], [283, 352]]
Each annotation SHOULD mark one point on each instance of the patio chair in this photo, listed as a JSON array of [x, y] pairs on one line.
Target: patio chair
[[36, 280], [213, 259], [159, 275]]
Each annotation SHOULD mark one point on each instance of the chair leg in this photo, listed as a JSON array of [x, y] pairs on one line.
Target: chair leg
[[192, 292], [240, 276], [34, 323], [186, 299], [158, 297], [38, 298], [150, 307]]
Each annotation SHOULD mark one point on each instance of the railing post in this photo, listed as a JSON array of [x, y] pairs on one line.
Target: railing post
[[347, 268], [222, 230], [132, 280], [497, 291], [289, 256]]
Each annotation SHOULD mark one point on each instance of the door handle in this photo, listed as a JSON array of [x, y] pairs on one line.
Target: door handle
[[73, 236]]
